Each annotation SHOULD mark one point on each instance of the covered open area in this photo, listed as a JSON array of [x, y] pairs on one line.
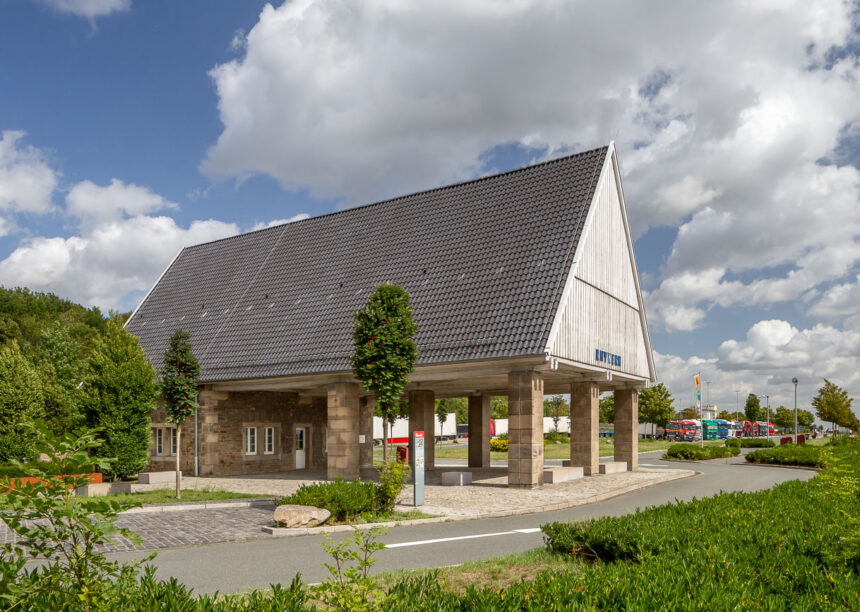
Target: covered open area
[[523, 284]]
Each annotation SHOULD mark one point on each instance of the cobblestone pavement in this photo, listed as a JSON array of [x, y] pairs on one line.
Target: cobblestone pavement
[[489, 493], [185, 528], [488, 496]]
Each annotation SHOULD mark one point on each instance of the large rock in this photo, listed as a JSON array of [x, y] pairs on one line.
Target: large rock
[[291, 515]]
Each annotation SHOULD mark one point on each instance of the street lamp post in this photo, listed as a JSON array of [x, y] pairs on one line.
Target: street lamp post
[[794, 380], [767, 402]]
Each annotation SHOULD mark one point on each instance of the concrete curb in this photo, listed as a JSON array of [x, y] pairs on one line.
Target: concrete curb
[[808, 468], [303, 531], [211, 505]]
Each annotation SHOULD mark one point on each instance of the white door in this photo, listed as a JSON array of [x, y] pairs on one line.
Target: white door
[[300, 448]]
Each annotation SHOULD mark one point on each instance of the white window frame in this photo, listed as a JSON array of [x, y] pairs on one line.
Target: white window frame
[[159, 442], [250, 441], [173, 441], [268, 440]]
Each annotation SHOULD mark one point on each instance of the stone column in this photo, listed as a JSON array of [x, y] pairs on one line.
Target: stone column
[[422, 417], [365, 428], [343, 447], [479, 431], [525, 429], [627, 427], [210, 445], [585, 427]]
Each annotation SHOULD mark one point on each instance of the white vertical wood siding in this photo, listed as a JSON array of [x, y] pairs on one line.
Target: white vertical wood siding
[[600, 309]]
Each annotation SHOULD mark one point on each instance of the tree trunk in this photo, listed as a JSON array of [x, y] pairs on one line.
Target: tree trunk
[[178, 454], [384, 440]]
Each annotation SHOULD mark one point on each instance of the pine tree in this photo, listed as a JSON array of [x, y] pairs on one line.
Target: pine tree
[[179, 389], [385, 351], [119, 397]]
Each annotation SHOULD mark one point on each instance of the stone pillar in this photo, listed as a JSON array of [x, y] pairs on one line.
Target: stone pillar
[[365, 428], [585, 427], [422, 417], [627, 427], [525, 429], [343, 447], [209, 443], [479, 431]]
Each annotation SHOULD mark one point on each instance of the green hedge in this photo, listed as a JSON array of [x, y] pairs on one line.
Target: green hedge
[[692, 452], [736, 442], [499, 446], [757, 443], [347, 500], [771, 549], [790, 454]]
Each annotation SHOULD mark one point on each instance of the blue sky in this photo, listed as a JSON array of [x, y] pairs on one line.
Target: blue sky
[[133, 128]]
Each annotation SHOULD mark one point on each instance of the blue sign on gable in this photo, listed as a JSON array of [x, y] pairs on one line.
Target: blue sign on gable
[[610, 358]]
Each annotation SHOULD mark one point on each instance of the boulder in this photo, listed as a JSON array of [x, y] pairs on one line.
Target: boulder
[[291, 515]]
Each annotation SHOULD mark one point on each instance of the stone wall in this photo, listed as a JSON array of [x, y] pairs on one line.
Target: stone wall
[[222, 420]]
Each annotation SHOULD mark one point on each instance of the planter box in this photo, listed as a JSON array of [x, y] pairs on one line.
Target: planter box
[[166, 477], [95, 477]]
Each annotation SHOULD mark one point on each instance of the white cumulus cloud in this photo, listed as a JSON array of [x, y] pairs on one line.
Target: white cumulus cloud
[[97, 204], [109, 262], [27, 181]]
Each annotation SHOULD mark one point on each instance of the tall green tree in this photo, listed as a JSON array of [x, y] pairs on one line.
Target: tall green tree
[[832, 405], [689, 413], [752, 408], [783, 417], [179, 389], [606, 409], [555, 407], [21, 403], [61, 366], [805, 418], [385, 351], [726, 415], [119, 396], [656, 405], [443, 409], [498, 407]]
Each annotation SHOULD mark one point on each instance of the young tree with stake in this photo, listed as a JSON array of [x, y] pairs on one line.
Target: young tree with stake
[[385, 352], [179, 388]]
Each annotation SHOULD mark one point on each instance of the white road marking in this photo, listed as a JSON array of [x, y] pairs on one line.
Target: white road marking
[[651, 465], [468, 537]]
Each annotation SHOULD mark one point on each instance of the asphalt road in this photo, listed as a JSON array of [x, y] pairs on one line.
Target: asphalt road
[[240, 566]]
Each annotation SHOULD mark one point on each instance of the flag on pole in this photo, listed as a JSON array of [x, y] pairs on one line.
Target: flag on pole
[[698, 392]]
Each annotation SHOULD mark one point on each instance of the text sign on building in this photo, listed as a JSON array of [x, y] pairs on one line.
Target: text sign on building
[[418, 467], [605, 357]]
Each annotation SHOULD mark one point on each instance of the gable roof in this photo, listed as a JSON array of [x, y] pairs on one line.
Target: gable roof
[[485, 262]]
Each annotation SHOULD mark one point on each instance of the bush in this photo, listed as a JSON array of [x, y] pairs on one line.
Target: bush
[[392, 477], [344, 499], [499, 446], [735, 442], [757, 443], [790, 454], [691, 452], [688, 556], [347, 500]]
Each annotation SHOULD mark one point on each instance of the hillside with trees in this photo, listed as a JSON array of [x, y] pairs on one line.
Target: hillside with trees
[[67, 366]]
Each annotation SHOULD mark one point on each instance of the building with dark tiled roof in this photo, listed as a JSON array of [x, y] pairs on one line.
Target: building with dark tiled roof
[[522, 283]]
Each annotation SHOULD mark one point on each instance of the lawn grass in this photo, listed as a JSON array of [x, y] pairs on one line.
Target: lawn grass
[[494, 573], [388, 517], [558, 451], [168, 496]]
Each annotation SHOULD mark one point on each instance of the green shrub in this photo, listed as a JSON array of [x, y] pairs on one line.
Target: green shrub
[[392, 477], [692, 452], [343, 498], [688, 452], [735, 442], [503, 436], [757, 443], [789, 455], [499, 446]]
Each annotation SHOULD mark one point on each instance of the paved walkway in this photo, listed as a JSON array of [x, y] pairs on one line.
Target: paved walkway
[[489, 496]]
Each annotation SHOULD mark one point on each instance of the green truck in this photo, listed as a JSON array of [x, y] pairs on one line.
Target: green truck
[[710, 430]]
